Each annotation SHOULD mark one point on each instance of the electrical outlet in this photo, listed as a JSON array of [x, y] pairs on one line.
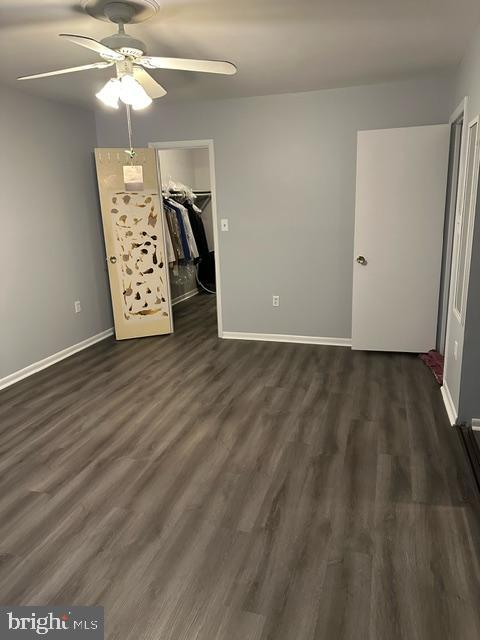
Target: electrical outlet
[[276, 301], [224, 224], [78, 306], [455, 350]]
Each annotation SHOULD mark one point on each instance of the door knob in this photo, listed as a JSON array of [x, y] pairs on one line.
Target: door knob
[[362, 260], [113, 259]]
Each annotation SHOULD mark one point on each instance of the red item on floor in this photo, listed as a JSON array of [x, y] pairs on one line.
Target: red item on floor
[[434, 362]]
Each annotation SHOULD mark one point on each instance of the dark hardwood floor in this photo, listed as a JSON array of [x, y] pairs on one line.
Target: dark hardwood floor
[[206, 489]]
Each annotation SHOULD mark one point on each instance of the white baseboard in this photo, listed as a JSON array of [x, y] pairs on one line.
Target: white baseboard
[[277, 337], [16, 376], [449, 404], [184, 296]]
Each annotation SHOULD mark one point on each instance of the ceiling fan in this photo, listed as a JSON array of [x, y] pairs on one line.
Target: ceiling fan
[[132, 85]]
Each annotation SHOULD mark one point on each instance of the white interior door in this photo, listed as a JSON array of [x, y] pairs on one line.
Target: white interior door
[[399, 217]]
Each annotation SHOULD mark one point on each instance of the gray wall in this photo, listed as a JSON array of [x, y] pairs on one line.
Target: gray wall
[[285, 171], [468, 83], [52, 248]]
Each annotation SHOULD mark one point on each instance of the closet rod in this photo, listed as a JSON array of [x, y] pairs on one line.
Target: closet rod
[[182, 193]]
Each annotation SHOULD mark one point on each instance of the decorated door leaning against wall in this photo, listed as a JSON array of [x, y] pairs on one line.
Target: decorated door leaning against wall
[[135, 242]]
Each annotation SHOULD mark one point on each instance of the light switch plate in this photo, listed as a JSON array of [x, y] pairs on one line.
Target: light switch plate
[[224, 224]]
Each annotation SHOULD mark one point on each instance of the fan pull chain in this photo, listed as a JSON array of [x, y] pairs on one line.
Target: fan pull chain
[[131, 153]]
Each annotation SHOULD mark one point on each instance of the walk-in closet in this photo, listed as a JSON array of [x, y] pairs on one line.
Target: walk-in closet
[[188, 221]]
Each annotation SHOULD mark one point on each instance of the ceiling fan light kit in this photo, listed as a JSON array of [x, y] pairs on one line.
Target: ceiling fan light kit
[[125, 87], [133, 85]]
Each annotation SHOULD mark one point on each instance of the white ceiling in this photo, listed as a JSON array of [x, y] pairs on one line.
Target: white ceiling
[[278, 45]]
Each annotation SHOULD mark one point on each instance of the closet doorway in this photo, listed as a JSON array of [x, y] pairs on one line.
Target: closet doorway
[[187, 175]]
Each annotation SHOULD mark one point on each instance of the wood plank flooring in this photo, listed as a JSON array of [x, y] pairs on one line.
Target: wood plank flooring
[[206, 489]]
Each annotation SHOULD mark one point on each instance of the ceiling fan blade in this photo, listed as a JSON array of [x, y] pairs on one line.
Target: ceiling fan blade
[[151, 86], [83, 67], [185, 64], [94, 45]]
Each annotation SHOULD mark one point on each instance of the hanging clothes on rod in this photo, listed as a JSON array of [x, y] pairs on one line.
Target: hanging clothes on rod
[[187, 233], [196, 223], [187, 239], [182, 230], [192, 245], [174, 232], [185, 226], [171, 256]]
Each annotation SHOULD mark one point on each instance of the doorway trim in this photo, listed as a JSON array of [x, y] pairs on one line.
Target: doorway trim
[[204, 144]]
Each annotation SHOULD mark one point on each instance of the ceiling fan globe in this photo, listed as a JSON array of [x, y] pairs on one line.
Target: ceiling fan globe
[[110, 93], [132, 93]]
